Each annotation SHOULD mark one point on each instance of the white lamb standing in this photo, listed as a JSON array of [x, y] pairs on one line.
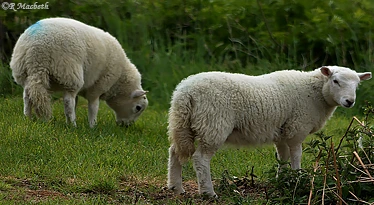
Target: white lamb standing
[[61, 54], [282, 107]]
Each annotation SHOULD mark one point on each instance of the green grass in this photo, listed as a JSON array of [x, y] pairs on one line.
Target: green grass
[[110, 164]]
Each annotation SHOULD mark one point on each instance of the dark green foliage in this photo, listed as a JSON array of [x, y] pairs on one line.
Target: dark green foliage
[[303, 32], [7, 85], [170, 40], [291, 186]]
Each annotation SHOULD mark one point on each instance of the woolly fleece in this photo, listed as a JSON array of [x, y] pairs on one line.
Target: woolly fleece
[[61, 54], [281, 107]]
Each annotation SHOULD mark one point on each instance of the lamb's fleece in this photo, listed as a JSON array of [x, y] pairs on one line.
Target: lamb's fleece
[[281, 107], [61, 54]]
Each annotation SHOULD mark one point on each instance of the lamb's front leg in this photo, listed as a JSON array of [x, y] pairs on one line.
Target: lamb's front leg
[[296, 152], [69, 105], [93, 108], [283, 151], [201, 161], [283, 154]]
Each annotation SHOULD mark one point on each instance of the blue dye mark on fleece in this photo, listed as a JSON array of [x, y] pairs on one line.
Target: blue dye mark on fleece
[[33, 29]]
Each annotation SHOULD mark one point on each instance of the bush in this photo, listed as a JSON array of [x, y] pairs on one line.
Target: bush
[[303, 32], [239, 36], [7, 85], [341, 173]]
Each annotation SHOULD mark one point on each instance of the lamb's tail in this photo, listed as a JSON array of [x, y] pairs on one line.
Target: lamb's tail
[[180, 133], [36, 92]]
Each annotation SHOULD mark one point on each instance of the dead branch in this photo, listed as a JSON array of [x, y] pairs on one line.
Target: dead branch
[[315, 167], [363, 165], [338, 185]]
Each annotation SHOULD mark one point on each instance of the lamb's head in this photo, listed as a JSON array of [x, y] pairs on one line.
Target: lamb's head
[[128, 107], [340, 88]]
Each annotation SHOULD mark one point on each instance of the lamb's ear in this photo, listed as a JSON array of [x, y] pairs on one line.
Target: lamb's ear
[[364, 76], [326, 71], [138, 93]]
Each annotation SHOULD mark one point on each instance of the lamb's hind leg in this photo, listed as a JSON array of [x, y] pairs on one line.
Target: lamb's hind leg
[[27, 107], [174, 172], [93, 108], [201, 161], [69, 105]]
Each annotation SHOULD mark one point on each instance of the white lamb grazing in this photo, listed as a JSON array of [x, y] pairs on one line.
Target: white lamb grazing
[[283, 107], [61, 54]]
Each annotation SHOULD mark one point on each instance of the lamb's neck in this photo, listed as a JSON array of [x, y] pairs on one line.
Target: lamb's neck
[[319, 82], [329, 104], [113, 91], [327, 96], [125, 81]]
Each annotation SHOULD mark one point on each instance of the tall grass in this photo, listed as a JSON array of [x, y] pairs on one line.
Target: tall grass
[[170, 40]]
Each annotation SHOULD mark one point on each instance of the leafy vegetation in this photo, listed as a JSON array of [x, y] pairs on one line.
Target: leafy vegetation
[[305, 33], [171, 39]]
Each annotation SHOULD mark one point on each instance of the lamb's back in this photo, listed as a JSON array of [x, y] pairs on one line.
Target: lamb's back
[[63, 46], [261, 108]]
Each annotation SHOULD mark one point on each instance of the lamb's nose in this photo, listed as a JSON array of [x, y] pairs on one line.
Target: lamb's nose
[[350, 103]]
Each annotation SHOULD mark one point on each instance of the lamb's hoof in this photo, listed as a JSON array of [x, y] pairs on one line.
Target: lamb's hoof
[[177, 191], [208, 195]]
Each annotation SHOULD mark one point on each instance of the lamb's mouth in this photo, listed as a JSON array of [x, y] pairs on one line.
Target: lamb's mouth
[[124, 124], [348, 106], [348, 103]]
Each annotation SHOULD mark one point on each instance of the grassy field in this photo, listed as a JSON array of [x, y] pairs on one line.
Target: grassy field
[[53, 163]]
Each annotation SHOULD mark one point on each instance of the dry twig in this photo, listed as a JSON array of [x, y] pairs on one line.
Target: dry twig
[[363, 165], [358, 199], [312, 181], [338, 185], [325, 176], [341, 200]]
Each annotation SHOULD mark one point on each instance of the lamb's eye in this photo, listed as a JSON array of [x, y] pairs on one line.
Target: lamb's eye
[[336, 82]]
